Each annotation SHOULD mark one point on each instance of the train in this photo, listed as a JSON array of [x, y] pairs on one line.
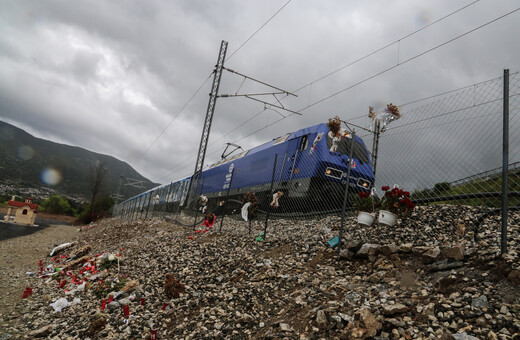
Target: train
[[308, 169]]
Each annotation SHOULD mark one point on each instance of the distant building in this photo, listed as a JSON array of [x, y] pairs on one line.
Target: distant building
[[25, 212]]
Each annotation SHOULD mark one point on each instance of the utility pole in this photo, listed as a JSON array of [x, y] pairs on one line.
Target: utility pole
[[194, 184]]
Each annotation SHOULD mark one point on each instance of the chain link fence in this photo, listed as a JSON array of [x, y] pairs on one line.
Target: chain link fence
[[448, 148], [445, 149]]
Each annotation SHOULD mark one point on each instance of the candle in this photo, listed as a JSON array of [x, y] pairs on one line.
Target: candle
[[126, 310], [153, 335], [103, 304], [164, 306], [63, 283], [142, 301]]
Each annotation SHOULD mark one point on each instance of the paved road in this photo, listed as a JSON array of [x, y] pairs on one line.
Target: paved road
[[10, 230]]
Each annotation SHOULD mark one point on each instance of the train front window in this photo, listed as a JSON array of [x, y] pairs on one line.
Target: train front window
[[359, 152]]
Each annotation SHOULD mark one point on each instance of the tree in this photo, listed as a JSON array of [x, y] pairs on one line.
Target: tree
[[57, 205], [96, 178]]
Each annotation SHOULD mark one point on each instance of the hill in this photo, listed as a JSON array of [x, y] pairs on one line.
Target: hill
[[34, 162]]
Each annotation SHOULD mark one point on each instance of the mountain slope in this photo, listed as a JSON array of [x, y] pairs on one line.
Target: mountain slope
[[30, 161]]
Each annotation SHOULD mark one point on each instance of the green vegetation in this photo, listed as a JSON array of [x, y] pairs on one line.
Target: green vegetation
[[489, 184], [58, 205], [110, 284], [100, 209]]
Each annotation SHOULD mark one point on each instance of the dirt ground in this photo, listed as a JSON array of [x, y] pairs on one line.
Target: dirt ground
[[22, 254]]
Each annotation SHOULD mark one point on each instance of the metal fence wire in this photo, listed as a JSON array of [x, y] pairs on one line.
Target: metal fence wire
[[449, 148], [445, 149]]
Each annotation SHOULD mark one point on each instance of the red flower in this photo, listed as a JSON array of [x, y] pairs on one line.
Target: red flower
[[364, 194], [385, 187]]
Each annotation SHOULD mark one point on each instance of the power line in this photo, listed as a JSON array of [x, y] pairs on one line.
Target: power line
[[377, 74], [252, 35], [175, 117], [341, 68], [408, 60], [258, 30], [386, 46], [441, 94]]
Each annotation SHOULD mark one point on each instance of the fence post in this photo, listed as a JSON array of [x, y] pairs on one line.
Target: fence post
[[196, 208], [505, 163], [345, 198], [148, 208], [225, 201], [375, 145], [271, 191]]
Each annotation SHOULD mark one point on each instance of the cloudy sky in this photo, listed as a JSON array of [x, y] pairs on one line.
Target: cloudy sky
[[131, 78]]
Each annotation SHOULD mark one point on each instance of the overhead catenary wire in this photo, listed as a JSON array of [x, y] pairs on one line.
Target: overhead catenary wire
[[229, 57], [408, 60], [389, 68], [258, 30], [176, 116], [385, 46]]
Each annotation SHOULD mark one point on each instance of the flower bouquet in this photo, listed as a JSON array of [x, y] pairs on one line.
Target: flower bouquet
[[395, 203]]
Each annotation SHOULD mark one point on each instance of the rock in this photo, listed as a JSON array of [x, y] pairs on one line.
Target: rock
[[96, 326], [455, 253], [114, 305], [346, 254], [463, 336], [365, 325], [388, 249], [419, 250], [285, 327], [353, 245], [301, 283], [124, 301], [445, 265], [389, 310], [368, 249], [480, 302], [321, 318], [41, 332], [431, 255], [406, 248], [492, 336]]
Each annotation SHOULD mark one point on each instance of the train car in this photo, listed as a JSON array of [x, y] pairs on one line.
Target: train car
[[311, 170], [308, 166]]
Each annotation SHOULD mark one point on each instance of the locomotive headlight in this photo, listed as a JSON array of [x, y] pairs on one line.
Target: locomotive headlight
[[363, 183], [335, 173]]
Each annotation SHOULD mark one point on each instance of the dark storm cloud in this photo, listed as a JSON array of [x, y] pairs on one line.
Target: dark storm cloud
[[111, 76]]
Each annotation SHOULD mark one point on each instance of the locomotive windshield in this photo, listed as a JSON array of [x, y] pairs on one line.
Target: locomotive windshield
[[360, 152]]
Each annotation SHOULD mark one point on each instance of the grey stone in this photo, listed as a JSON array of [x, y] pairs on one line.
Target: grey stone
[[463, 336], [480, 302]]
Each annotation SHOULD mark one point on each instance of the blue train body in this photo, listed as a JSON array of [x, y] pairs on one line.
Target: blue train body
[[306, 171]]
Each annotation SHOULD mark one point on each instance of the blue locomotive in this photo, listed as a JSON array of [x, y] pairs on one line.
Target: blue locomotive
[[308, 166]]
